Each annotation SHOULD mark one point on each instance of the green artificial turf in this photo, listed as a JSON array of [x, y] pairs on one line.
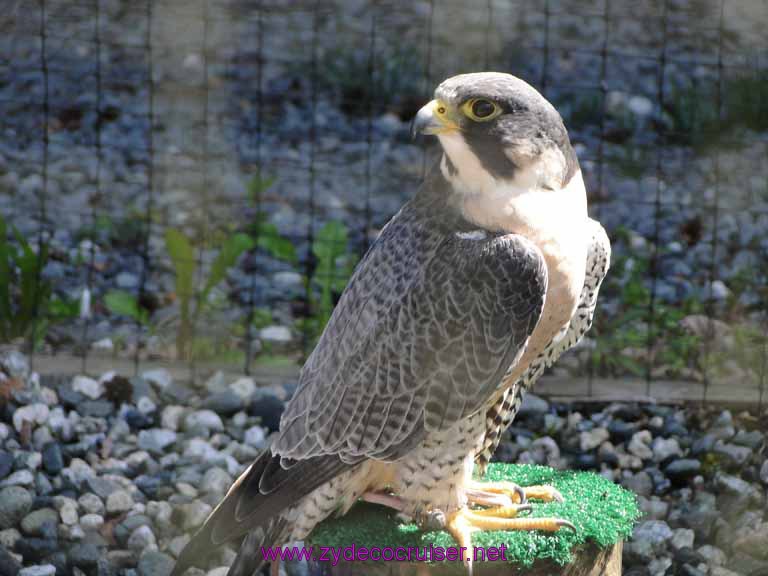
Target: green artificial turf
[[602, 512]]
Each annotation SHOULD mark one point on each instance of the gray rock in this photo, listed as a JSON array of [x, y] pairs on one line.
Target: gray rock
[[682, 538], [665, 448], [193, 514], [753, 439], [225, 403], [649, 539], [85, 555], [101, 486], [683, 469], [276, 334], [142, 538], [153, 563], [216, 480], [713, 555], [171, 417], [9, 566], [737, 455], [15, 502], [532, 405], [53, 460], [33, 524], [722, 428], [6, 464], [640, 483], [764, 473], [156, 440]]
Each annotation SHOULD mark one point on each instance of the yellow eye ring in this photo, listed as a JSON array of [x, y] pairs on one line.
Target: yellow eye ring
[[480, 109]]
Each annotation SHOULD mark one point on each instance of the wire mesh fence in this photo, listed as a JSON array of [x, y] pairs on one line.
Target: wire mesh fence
[[194, 181]]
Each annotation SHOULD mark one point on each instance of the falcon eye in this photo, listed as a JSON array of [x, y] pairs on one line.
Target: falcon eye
[[480, 109]]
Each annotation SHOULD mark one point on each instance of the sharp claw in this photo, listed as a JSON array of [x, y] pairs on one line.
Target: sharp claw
[[521, 494], [524, 507], [565, 524]]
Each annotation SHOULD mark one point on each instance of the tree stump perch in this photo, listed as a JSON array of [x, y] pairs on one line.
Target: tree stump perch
[[603, 513]]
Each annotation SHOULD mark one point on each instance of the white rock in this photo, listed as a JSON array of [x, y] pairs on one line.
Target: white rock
[[91, 521], [103, 345], [19, 478], [764, 473], [145, 405], [67, 510], [171, 416], [38, 570], [640, 105], [276, 334], [243, 387], [33, 413], [682, 538], [204, 419], [591, 439], [9, 537], [713, 555], [255, 436], [156, 439], [119, 501], [639, 445], [5, 431], [91, 504], [220, 571], [160, 377], [89, 387]]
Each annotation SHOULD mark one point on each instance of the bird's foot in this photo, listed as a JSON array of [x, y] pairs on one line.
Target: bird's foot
[[506, 501], [504, 494]]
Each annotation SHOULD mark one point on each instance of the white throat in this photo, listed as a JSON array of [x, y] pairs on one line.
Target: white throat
[[523, 205]]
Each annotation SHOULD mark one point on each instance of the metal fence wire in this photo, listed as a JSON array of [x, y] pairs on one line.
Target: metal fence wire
[[192, 181]]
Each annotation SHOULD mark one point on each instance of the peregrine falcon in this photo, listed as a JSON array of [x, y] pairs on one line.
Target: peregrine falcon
[[478, 283]]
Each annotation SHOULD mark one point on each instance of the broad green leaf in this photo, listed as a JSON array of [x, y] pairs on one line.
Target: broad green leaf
[[125, 304], [183, 258], [269, 239]]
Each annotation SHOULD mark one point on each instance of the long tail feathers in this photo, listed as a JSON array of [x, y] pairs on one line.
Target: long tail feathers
[[253, 507]]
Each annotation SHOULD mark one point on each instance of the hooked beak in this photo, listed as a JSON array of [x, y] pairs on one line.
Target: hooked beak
[[433, 118]]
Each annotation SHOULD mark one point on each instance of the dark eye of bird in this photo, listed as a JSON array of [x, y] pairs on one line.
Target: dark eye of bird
[[483, 108]]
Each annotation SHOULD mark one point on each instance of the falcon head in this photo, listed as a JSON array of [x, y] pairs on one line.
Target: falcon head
[[496, 129]]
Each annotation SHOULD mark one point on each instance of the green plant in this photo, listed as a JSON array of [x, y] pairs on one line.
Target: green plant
[[27, 302], [126, 304], [267, 236], [182, 254], [637, 335]]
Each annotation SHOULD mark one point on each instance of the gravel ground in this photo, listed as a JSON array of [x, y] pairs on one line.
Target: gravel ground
[[355, 139], [110, 476]]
